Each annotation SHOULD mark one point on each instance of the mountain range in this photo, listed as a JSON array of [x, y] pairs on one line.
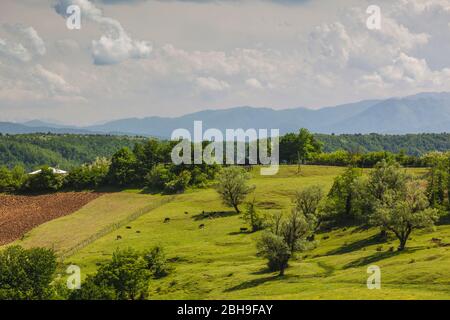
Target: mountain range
[[420, 113]]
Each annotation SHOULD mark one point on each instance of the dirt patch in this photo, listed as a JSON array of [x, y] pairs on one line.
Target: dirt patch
[[20, 214]]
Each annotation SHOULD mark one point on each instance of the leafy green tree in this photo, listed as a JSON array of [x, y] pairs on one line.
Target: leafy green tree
[[252, 217], [89, 176], [298, 148], [284, 237], [342, 197], [307, 202], [178, 183], [157, 262], [386, 176], [273, 248], [405, 210], [232, 186], [44, 181], [92, 289], [158, 176], [125, 277], [26, 274], [122, 171]]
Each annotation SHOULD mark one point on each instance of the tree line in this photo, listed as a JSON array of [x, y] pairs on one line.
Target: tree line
[[148, 164], [72, 150]]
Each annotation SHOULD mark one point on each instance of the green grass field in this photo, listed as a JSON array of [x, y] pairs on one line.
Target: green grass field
[[219, 262]]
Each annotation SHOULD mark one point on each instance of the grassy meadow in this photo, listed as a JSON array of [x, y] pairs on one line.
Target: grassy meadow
[[220, 262]]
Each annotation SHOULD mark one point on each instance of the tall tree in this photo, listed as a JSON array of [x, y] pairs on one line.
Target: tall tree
[[405, 210], [298, 148], [232, 186]]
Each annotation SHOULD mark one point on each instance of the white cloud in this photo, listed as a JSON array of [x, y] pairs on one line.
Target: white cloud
[[116, 45], [211, 84], [254, 83], [54, 83], [23, 43]]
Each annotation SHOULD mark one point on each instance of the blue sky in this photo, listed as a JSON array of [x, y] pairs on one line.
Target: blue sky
[[143, 58]]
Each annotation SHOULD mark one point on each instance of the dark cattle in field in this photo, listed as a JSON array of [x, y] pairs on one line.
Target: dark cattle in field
[[186, 212], [137, 231], [166, 220], [128, 227], [201, 226], [118, 237]]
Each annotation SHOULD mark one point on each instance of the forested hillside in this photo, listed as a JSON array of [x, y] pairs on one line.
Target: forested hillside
[[411, 144], [65, 151], [70, 150]]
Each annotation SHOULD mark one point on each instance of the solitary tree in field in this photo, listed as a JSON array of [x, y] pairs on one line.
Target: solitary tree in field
[[402, 212], [232, 186], [285, 236]]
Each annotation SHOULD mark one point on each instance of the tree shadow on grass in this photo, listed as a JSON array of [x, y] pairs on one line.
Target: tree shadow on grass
[[213, 215], [378, 257], [357, 245], [256, 282]]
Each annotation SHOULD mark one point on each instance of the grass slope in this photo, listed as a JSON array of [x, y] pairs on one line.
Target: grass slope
[[219, 262]]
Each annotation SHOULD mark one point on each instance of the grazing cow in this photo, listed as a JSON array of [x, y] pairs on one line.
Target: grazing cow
[[128, 227], [201, 226], [186, 212], [244, 229], [436, 240], [137, 231], [166, 220], [118, 237]]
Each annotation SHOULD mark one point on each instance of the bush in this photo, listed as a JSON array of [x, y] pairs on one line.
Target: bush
[[178, 183], [26, 274], [89, 176], [157, 262], [275, 250], [11, 180], [44, 181], [252, 217], [125, 277], [157, 178]]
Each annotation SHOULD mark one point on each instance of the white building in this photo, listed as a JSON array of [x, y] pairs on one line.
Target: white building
[[54, 170]]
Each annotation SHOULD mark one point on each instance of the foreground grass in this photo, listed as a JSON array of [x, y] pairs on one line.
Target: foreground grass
[[219, 262]]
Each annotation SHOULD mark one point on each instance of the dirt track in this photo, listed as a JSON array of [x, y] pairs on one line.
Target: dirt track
[[20, 214]]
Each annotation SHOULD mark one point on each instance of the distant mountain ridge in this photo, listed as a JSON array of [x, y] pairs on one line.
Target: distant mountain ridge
[[419, 113]]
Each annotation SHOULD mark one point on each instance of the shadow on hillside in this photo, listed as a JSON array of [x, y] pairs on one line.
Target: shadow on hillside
[[377, 257], [256, 282], [357, 245], [213, 215]]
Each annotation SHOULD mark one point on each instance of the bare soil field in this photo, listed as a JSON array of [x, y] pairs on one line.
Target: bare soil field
[[20, 214]]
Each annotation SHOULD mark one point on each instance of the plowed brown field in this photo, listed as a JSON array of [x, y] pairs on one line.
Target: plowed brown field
[[20, 214]]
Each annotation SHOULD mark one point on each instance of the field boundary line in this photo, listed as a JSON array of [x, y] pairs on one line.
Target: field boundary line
[[114, 226]]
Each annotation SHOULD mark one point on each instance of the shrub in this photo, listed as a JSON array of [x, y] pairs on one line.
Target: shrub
[[157, 262], [12, 180], [178, 183], [252, 217], [44, 181], [26, 274], [125, 277]]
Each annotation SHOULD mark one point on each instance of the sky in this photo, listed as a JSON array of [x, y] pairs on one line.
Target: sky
[[138, 58]]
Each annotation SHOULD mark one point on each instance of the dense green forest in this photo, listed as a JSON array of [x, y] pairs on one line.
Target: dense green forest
[[411, 144], [71, 150], [66, 151]]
